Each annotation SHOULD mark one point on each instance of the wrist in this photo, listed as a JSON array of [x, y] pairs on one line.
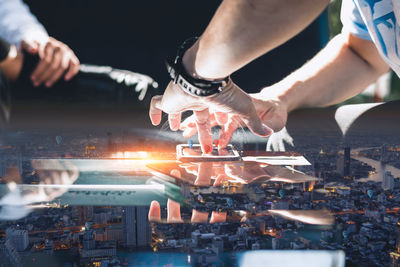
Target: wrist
[[201, 68], [287, 94]]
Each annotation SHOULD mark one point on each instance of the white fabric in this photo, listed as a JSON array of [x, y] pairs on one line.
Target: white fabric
[[378, 21], [18, 23]]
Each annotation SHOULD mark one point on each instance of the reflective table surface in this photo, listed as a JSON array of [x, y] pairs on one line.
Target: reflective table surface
[[122, 199]]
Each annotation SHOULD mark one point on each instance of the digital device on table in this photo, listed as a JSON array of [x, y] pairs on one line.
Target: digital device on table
[[193, 153]]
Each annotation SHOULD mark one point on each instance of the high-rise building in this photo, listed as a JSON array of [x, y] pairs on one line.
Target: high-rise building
[[8, 254], [137, 229], [343, 163], [387, 181], [89, 241], [129, 222], [384, 154], [143, 227], [18, 238], [114, 232], [347, 161]]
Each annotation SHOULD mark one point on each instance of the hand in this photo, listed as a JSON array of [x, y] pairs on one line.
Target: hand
[[232, 100], [56, 60], [271, 111]]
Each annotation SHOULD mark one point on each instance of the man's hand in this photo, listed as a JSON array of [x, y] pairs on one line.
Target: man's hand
[[56, 60], [270, 111], [232, 101]]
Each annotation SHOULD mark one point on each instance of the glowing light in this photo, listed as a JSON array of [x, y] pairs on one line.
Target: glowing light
[[311, 187], [131, 155]]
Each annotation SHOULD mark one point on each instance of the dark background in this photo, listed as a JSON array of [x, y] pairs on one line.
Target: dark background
[[138, 35]]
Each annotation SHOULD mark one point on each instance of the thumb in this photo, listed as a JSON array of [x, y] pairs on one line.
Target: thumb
[[253, 122], [30, 46]]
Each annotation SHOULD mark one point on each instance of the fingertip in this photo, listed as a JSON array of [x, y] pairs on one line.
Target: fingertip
[[266, 131], [155, 204], [154, 212], [155, 119]]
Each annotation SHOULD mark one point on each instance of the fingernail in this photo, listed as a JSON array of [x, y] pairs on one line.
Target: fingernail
[[155, 204], [48, 84], [207, 149]]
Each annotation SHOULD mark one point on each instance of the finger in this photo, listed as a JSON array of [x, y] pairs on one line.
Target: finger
[[174, 120], [46, 57], [155, 111], [176, 173], [54, 76], [220, 179], [204, 175], [189, 126], [188, 122], [218, 217], [53, 67], [30, 46], [221, 117], [204, 130], [189, 132], [174, 212], [253, 122], [73, 68], [199, 217], [155, 212], [227, 132]]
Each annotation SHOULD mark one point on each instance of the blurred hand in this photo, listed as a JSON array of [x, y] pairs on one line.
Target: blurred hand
[[270, 111], [56, 60], [53, 173], [231, 102]]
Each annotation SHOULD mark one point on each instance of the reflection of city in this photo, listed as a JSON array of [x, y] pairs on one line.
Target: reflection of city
[[354, 206]]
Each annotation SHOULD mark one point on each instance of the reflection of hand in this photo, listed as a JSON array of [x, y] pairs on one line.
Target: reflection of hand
[[232, 100], [174, 208], [251, 171], [272, 112], [174, 214], [52, 173], [205, 171], [56, 60]]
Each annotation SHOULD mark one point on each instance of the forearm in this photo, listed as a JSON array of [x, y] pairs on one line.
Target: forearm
[[345, 67], [242, 30]]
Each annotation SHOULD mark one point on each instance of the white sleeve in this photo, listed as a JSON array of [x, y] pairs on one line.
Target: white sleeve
[[352, 20], [17, 23]]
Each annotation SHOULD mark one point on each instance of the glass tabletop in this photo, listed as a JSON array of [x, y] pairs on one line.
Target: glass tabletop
[[136, 204]]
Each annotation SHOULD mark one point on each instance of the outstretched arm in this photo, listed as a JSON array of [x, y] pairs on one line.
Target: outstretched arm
[[240, 31], [345, 67]]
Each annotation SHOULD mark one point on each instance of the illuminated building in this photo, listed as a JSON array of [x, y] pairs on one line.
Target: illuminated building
[[8, 254], [394, 259], [18, 238]]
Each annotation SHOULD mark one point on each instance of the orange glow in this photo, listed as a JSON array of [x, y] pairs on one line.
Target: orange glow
[[311, 187]]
